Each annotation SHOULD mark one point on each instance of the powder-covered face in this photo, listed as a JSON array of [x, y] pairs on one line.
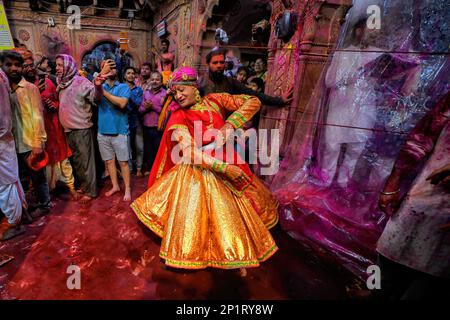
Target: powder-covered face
[[217, 64], [145, 71], [155, 80], [29, 70], [59, 67], [185, 95], [13, 69], [164, 47]]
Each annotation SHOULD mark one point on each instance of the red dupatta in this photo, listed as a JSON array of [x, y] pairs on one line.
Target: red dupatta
[[211, 115]]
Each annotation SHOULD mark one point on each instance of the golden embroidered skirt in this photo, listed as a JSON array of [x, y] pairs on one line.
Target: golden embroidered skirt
[[203, 223]]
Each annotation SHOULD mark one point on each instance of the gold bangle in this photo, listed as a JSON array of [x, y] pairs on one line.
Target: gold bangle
[[219, 166]]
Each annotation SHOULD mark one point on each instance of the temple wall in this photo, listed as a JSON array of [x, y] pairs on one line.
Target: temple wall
[[32, 29], [299, 62]]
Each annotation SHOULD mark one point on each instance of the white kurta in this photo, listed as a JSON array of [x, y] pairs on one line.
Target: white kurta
[[414, 236], [352, 96], [9, 172], [12, 197]]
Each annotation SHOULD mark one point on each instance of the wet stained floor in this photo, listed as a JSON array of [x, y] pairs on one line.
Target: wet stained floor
[[118, 258]]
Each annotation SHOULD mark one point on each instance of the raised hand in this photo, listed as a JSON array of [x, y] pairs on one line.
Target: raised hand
[[288, 95], [107, 67], [224, 134], [236, 174]]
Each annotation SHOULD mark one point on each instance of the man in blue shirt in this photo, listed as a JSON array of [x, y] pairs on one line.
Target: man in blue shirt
[[113, 129], [135, 121]]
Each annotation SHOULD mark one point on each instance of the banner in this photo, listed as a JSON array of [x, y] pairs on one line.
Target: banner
[[6, 41]]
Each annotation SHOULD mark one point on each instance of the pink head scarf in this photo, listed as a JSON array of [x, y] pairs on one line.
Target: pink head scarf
[[70, 71], [184, 76]]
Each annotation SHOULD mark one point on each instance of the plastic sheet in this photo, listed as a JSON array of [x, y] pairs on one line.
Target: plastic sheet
[[377, 85]]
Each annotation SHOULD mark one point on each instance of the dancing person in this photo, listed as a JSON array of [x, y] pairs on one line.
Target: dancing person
[[210, 210]]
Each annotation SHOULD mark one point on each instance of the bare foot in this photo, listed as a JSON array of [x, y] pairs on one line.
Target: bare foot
[[85, 199], [243, 272], [74, 195], [12, 232], [146, 173], [138, 173], [127, 196], [112, 191]]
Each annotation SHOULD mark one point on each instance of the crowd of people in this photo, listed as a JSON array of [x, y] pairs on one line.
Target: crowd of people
[[64, 118]]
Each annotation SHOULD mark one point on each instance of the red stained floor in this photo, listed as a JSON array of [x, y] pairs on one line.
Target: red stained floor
[[119, 259]]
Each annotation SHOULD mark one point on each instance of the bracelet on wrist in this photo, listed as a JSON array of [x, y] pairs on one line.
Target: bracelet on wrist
[[219, 166], [390, 193]]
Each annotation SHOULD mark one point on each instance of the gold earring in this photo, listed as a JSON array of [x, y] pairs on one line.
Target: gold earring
[[198, 98]]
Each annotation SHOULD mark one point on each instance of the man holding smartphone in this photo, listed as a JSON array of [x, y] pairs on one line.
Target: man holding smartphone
[[77, 95], [113, 129]]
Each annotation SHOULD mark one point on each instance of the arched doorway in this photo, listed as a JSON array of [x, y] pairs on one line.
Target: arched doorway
[[104, 50]]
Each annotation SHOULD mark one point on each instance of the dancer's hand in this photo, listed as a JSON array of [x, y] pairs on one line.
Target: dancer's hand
[[236, 174], [224, 134]]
